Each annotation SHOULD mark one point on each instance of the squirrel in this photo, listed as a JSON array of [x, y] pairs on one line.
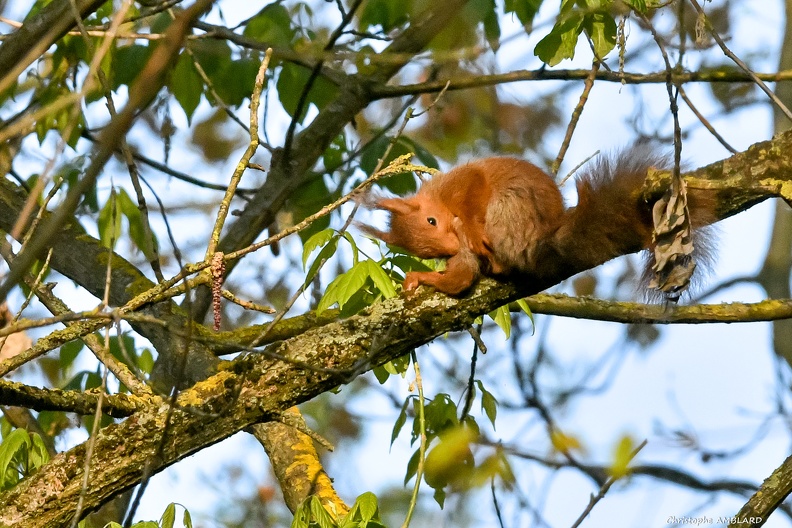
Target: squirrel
[[505, 217]]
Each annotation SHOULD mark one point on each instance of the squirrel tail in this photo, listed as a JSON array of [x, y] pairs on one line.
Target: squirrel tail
[[612, 218]]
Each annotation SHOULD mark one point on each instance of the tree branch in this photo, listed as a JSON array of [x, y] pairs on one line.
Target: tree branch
[[21, 395]]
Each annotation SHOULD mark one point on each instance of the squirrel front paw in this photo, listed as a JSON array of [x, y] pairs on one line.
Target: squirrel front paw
[[412, 280]]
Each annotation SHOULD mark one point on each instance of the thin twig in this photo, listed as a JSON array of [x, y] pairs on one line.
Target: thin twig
[[576, 168], [573, 121], [91, 443], [422, 447], [705, 122], [478, 343], [604, 489], [225, 204], [744, 67], [247, 305]]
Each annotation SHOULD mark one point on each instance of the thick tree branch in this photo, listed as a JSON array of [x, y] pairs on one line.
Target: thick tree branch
[[631, 312], [115, 405], [542, 74], [770, 495]]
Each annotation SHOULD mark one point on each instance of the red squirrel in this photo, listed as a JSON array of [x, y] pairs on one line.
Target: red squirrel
[[505, 217]]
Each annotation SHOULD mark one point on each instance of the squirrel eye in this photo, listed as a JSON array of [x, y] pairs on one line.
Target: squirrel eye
[[431, 221]]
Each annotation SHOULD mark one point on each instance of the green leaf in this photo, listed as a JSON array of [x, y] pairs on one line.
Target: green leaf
[[502, 318], [317, 240], [368, 506], [638, 5], [38, 454], [491, 26], [168, 516], [213, 55], [146, 361], [343, 287], [355, 251], [381, 279], [123, 353], [271, 25], [326, 252], [234, 82], [399, 365], [440, 414], [560, 43], [439, 497], [424, 156], [400, 420], [523, 304], [385, 13], [137, 231], [381, 374], [412, 466], [409, 263], [186, 85], [602, 30], [302, 517], [83, 381], [291, 84], [348, 287], [17, 442], [109, 223], [524, 9], [451, 460], [187, 519], [333, 156], [403, 183], [489, 404], [69, 351], [320, 515], [622, 455]]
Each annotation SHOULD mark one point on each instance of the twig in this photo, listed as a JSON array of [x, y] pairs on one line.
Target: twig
[[422, 447], [36, 283], [478, 343], [495, 503], [705, 122], [576, 168], [91, 443], [225, 204], [576, 113], [744, 67], [604, 489], [247, 305]]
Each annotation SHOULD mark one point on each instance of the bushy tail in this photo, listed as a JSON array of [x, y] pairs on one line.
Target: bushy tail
[[612, 218]]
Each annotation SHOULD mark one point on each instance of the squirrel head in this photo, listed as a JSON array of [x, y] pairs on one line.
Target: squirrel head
[[423, 227]]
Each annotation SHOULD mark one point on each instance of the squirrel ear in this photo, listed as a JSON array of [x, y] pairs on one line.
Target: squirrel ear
[[372, 231], [399, 206]]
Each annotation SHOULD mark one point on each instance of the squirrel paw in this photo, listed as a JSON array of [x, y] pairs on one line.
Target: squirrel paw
[[411, 281]]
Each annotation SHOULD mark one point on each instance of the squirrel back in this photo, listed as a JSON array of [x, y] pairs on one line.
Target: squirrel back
[[505, 217]]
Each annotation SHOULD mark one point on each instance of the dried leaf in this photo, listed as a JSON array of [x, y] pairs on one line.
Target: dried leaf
[[673, 250]]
